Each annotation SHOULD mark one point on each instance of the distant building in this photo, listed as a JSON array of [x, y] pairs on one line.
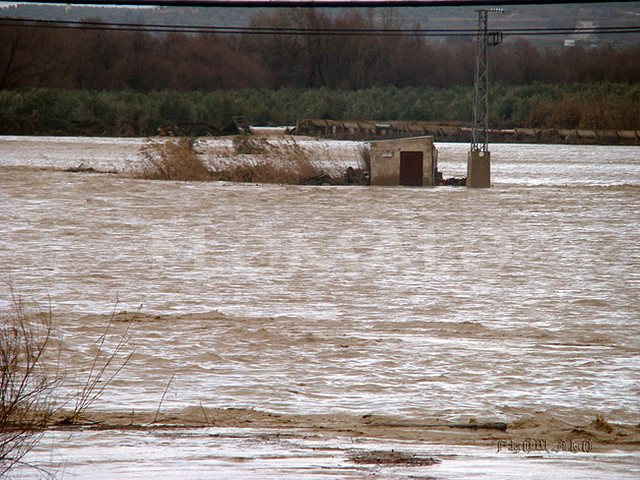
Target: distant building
[[582, 36], [404, 161]]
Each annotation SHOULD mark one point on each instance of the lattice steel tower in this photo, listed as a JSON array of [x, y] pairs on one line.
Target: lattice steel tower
[[484, 40], [479, 161]]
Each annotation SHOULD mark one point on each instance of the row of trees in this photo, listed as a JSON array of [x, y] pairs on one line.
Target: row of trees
[[127, 113], [142, 61], [112, 60]]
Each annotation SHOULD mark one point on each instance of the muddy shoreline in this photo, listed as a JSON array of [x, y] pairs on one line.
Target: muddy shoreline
[[599, 435]]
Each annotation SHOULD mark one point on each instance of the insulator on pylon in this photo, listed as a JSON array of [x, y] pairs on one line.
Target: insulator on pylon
[[494, 38]]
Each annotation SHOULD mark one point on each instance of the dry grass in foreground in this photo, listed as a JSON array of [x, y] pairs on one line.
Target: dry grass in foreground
[[31, 371], [27, 386], [256, 160]]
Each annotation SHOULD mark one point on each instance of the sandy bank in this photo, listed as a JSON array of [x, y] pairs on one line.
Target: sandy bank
[[277, 335]]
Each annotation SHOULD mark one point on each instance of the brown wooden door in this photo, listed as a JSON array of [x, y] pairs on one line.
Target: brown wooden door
[[411, 169]]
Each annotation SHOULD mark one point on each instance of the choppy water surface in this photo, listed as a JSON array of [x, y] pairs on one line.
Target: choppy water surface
[[413, 302]]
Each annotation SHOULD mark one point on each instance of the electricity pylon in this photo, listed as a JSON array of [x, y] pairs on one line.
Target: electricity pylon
[[478, 166]]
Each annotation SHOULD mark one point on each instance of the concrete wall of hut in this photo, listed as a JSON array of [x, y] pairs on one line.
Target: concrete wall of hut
[[386, 158]]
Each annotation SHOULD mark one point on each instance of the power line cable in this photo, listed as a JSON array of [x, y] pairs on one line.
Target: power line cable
[[313, 3], [262, 30]]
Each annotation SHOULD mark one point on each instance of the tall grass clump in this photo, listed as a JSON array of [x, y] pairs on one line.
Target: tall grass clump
[[365, 157], [172, 160], [248, 145], [272, 162], [253, 160]]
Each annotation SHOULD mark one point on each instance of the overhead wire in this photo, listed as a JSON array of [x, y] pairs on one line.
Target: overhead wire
[[314, 3], [267, 30]]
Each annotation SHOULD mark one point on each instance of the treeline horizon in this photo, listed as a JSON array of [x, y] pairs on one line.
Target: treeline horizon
[[77, 58]]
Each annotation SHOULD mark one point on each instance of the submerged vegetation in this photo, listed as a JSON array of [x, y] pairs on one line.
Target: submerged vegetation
[[174, 160], [255, 160], [392, 457], [283, 163], [43, 111]]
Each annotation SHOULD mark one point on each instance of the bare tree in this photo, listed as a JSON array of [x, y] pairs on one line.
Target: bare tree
[[31, 371], [24, 58], [29, 360]]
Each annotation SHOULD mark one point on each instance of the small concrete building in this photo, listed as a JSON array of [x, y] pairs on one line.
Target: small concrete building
[[404, 161]]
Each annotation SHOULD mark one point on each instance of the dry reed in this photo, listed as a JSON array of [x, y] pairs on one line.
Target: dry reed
[[281, 163], [172, 160], [255, 160], [365, 157]]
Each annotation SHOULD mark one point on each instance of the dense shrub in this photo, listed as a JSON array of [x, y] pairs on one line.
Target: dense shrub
[[81, 112]]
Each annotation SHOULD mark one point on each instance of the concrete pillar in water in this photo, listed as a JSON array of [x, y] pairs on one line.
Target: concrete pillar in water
[[479, 170]]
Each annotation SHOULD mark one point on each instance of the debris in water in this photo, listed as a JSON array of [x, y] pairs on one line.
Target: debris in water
[[381, 457]]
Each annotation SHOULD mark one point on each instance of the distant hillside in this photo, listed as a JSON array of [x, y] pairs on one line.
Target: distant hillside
[[164, 15], [601, 14]]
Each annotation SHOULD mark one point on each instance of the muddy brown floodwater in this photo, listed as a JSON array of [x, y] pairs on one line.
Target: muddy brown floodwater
[[284, 331]]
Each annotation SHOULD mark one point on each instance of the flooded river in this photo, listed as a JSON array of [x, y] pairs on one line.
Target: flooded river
[[326, 303]]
